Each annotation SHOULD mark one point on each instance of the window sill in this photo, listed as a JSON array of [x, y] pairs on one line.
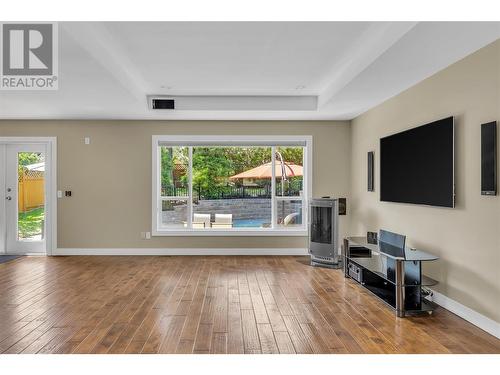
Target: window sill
[[232, 233]]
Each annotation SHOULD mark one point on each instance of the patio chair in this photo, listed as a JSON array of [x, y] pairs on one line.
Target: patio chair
[[201, 221], [223, 221], [291, 219]]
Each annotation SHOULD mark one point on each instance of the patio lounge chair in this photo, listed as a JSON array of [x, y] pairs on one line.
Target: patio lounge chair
[[223, 221], [291, 219], [201, 221]]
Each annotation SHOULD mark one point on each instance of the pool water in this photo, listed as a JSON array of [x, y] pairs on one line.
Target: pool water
[[249, 223]]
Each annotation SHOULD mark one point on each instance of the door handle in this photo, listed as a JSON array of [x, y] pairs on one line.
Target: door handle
[[8, 198]]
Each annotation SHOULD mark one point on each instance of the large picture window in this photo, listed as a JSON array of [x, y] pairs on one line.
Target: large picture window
[[207, 185]]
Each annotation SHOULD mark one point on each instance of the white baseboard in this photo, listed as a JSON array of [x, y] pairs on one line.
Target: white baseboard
[[180, 251], [479, 320]]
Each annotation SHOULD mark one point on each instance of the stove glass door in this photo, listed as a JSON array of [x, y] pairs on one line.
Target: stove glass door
[[321, 225]]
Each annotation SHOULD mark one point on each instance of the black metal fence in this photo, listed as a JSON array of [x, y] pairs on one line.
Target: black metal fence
[[290, 188]]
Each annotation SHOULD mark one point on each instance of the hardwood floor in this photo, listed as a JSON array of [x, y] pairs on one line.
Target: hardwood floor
[[195, 304]]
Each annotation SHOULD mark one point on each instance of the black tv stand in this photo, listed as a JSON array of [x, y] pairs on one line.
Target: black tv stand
[[398, 281]]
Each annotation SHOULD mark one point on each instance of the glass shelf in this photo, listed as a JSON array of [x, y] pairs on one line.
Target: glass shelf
[[410, 253], [425, 306], [378, 265], [378, 275], [426, 281]]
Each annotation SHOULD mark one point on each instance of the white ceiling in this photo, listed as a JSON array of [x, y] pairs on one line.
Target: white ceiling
[[106, 70]]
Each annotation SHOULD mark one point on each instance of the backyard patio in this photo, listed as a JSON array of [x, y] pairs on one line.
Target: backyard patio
[[233, 181]]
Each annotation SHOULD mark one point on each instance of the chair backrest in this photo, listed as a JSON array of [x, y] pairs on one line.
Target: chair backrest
[[201, 218], [291, 218], [392, 243], [224, 218]]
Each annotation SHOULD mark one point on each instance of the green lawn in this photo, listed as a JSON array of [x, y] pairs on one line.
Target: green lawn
[[31, 223]]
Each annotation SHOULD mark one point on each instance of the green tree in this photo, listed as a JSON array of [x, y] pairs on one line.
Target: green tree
[[211, 169], [27, 158], [212, 166], [292, 154], [244, 158], [173, 158]]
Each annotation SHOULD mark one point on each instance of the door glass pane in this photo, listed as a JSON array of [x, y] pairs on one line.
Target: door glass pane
[[31, 196], [174, 171], [231, 187], [289, 171], [321, 224], [289, 213], [174, 213]]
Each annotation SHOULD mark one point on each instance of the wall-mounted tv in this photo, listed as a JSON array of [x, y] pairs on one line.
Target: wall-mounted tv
[[417, 165]]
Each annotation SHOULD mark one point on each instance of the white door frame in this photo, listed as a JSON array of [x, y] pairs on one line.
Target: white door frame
[[3, 187], [50, 184]]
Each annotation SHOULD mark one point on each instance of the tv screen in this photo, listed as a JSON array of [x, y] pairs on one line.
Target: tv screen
[[416, 165]]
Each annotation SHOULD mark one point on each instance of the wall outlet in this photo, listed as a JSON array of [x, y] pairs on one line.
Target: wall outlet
[[145, 235]]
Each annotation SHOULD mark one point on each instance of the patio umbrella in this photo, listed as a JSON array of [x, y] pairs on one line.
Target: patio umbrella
[[264, 171]]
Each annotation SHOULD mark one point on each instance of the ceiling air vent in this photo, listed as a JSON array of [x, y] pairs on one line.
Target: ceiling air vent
[[233, 102], [157, 103]]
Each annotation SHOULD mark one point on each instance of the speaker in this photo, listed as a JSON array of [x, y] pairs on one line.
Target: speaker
[[342, 206], [371, 157], [371, 237], [489, 158]]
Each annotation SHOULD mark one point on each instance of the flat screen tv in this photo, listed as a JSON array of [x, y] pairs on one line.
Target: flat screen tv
[[417, 165]]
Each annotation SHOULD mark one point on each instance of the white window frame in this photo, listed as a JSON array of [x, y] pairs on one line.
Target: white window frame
[[206, 140]]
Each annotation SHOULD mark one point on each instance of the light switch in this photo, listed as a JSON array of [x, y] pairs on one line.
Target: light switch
[[87, 140], [145, 235], [59, 194]]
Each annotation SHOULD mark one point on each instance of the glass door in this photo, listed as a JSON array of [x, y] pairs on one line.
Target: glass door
[[321, 224], [3, 224], [25, 198]]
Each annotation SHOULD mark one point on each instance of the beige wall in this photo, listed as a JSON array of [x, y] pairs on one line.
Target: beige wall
[[467, 238], [111, 178]]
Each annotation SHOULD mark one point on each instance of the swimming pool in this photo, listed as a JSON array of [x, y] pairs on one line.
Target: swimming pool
[[249, 223]]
